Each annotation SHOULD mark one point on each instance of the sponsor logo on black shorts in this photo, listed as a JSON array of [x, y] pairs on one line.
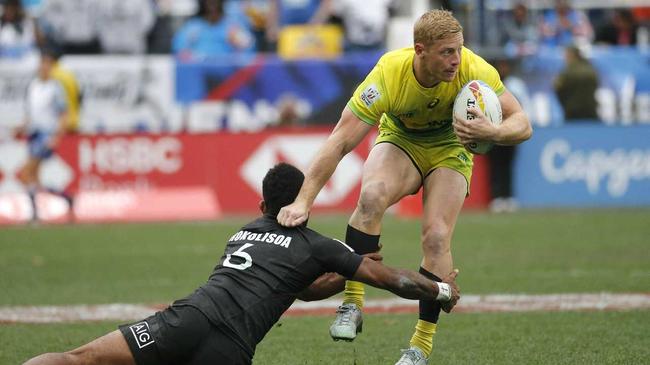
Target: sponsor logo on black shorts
[[141, 334]]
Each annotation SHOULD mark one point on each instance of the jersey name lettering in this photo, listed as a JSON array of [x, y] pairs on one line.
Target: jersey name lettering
[[276, 239]]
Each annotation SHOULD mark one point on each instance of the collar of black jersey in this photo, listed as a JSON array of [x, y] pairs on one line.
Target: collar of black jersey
[[275, 218]]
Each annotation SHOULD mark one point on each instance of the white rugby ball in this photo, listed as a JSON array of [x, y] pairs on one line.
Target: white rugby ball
[[477, 93]]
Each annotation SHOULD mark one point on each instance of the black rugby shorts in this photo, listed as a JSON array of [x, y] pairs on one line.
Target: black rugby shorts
[[181, 335]]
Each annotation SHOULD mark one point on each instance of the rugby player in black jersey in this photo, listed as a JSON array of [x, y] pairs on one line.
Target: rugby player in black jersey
[[265, 267]]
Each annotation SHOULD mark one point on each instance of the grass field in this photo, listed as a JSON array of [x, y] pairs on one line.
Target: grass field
[[531, 252]]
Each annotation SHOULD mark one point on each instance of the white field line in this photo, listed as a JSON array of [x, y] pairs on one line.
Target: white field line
[[468, 304]]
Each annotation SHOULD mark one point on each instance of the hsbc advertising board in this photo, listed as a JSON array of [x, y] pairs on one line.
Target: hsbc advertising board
[[109, 173], [181, 176], [584, 165]]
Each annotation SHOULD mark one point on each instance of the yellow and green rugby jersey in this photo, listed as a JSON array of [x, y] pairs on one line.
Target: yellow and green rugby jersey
[[391, 94]]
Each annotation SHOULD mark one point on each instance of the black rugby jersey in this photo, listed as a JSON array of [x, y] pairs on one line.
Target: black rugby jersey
[[264, 267]]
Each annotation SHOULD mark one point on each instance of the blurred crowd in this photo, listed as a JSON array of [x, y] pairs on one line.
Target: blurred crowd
[[522, 31], [188, 28], [205, 28]]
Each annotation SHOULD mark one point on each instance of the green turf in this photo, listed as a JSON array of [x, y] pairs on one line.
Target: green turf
[[527, 252], [500, 339]]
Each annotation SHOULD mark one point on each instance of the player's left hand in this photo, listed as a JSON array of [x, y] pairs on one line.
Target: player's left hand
[[375, 256], [455, 291], [476, 129]]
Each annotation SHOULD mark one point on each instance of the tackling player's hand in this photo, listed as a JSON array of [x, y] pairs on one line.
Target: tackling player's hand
[[293, 214], [375, 256], [477, 129], [455, 291]]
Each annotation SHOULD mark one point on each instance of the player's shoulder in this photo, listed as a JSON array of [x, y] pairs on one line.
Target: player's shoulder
[[321, 240], [62, 74], [470, 58], [311, 235], [473, 66]]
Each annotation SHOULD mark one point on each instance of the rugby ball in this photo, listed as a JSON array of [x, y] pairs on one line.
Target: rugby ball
[[477, 93]]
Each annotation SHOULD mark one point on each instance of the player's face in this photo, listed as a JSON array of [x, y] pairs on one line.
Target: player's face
[[442, 59]]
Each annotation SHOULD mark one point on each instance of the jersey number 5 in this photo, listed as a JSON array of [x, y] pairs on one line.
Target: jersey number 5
[[248, 260]]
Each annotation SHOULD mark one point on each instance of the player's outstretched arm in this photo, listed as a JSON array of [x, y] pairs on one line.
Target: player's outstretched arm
[[347, 134], [409, 284], [329, 284]]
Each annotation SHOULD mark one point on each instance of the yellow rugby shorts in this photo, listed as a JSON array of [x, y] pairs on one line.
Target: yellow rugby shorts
[[429, 150]]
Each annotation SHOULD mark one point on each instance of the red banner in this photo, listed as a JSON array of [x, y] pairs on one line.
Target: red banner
[[114, 177]]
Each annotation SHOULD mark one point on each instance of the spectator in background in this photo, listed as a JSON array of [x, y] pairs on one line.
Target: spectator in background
[[17, 31], [620, 30], [45, 124], [73, 96], [123, 26], [563, 26], [364, 22], [212, 33], [519, 32], [576, 86], [70, 24], [502, 157], [294, 12], [257, 14], [292, 111]]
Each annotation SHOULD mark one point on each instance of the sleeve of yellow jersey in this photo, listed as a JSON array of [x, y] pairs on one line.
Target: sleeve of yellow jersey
[[369, 100], [482, 70]]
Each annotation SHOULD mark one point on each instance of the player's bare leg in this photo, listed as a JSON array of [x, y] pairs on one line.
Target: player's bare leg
[[110, 349], [28, 176], [444, 194], [388, 176]]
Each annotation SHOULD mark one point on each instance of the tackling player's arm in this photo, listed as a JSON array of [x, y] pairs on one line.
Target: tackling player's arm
[[347, 134], [329, 284], [409, 284]]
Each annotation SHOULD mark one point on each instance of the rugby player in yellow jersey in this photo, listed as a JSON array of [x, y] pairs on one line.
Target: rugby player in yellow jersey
[[409, 95]]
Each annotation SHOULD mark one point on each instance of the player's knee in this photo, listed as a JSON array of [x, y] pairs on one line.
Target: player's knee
[[373, 200], [436, 240]]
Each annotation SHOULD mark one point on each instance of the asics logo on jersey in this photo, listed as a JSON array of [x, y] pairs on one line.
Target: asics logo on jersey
[[433, 104]]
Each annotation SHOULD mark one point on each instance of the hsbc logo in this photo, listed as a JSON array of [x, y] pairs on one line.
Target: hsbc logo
[[141, 155], [299, 151]]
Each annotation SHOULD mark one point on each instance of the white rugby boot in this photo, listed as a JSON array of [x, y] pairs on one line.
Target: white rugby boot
[[412, 356], [348, 322]]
